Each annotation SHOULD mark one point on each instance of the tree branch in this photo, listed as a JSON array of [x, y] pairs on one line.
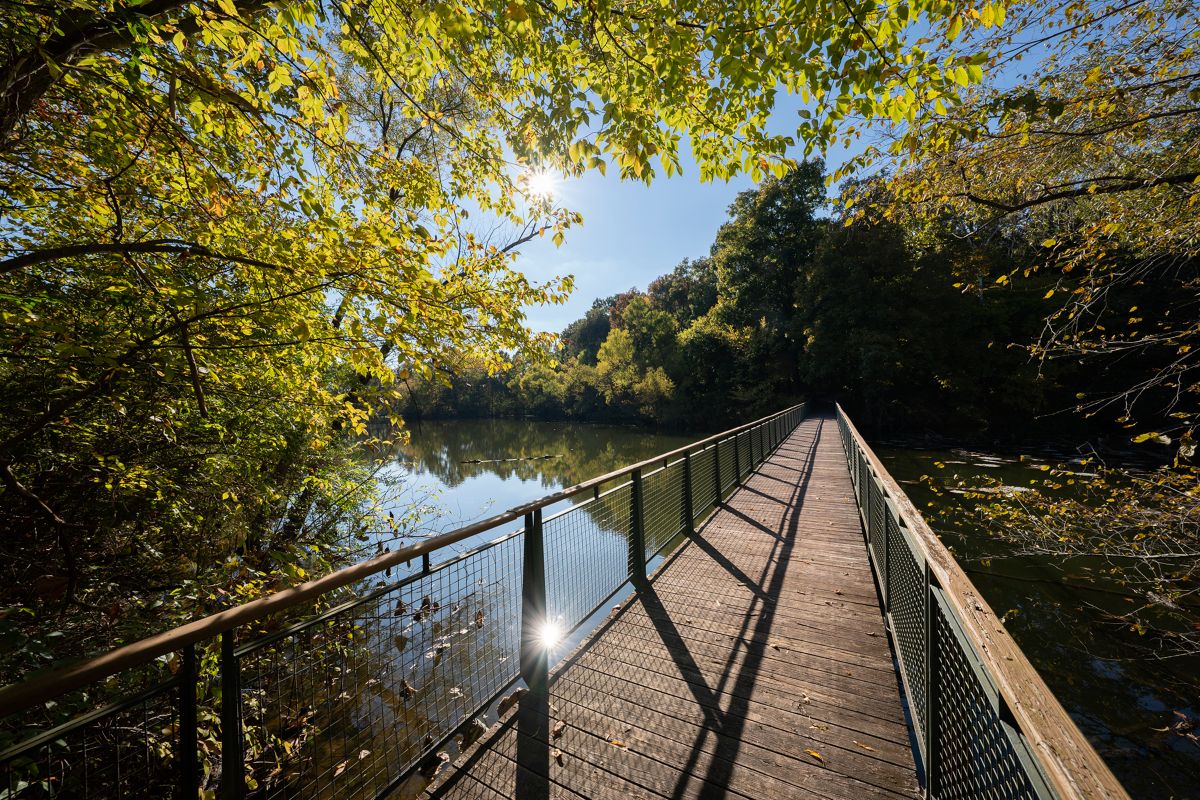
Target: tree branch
[[1122, 184], [175, 246]]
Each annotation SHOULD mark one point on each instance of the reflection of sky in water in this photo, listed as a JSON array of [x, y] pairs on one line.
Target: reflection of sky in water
[[476, 498]]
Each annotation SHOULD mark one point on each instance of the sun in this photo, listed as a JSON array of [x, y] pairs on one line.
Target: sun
[[541, 184], [551, 634]]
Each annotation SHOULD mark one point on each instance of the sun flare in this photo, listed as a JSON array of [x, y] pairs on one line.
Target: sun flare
[[541, 184], [551, 634]]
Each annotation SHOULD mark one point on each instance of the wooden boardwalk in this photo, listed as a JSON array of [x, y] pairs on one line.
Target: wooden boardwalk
[[754, 666]]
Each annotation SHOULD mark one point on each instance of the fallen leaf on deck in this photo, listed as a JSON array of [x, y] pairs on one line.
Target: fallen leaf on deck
[[510, 701], [618, 743], [558, 728], [864, 746], [816, 755], [819, 727], [557, 755], [340, 768]]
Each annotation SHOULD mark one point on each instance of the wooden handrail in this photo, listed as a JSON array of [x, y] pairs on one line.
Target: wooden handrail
[[48, 685], [1071, 765]]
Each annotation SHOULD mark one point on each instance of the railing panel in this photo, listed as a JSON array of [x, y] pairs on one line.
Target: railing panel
[[101, 759], [745, 458], [585, 556], [663, 504], [976, 758], [906, 599], [728, 478], [704, 493], [987, 725], [383, 680], [878, 523]]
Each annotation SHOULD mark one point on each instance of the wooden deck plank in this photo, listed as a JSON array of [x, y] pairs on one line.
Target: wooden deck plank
[[759, 643]]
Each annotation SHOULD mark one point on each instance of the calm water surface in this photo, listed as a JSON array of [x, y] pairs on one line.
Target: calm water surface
[[467, 470]]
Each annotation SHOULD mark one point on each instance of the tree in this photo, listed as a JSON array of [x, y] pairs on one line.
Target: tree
[[687, 292], [584, 336], [233, 230], [1086, 166], [651, 331], [1087, 162], [759, 255]]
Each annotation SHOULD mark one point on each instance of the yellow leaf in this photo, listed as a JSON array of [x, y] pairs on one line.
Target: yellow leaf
[[1048, 295], [517, 12], [816, 755], [1049, 242], [228, 7]]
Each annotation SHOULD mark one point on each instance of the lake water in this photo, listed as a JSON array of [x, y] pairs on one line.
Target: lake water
[[466, 470]]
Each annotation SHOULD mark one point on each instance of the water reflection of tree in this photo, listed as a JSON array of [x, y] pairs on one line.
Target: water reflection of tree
[[579, 452]]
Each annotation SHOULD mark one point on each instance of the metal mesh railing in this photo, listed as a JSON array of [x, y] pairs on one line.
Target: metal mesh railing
[[272, 699], [704, 489], [99, 758], [380, 679], [904, 584], [979, 755], [971, 747], [727, 458], [586, 547], [663, 507]]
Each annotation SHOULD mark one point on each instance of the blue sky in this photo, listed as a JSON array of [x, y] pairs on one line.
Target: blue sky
[[632, 233]]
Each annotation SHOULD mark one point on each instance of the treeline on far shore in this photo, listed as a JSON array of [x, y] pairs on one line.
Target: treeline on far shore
[[915, 330]]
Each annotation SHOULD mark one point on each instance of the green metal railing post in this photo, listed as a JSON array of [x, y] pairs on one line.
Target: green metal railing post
[[932, 756], [637, 532], [534, 657], [737, 461], [233, 760], [688, 509], [885, 571], [717, 470], [189, 765]]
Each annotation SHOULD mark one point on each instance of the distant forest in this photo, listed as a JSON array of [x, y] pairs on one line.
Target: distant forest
[[914, 330]]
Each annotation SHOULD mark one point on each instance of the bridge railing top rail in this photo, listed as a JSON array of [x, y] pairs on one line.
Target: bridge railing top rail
[[1065, 758]]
